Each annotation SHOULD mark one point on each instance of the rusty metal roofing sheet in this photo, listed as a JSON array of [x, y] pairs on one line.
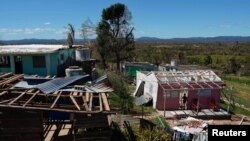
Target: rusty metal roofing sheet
[[58, 83]]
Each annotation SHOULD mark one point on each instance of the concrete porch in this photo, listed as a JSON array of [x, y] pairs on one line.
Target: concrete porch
[[202, 114]]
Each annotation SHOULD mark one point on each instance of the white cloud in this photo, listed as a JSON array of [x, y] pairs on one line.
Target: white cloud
[[147, 33], [26, 30], [140, 32], [47, 23], [40, 32], [61, 31]]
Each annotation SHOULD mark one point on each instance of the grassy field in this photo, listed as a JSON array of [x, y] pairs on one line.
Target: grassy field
[[236, 110], [241, 88]]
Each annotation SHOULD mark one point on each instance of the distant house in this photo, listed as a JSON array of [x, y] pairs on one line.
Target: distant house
[[174, 66], [129, 68], [36, 59], [200, 87]]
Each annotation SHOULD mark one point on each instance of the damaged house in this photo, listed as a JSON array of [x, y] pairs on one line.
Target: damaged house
[[62, 108], [167, 89], [37, 59]]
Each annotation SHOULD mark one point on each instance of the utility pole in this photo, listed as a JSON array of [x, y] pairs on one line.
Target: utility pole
[[142, 111], [164, 103], [230, 98], [198, 102]]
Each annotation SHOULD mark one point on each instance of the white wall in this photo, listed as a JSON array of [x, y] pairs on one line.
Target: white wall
[[150, 83]]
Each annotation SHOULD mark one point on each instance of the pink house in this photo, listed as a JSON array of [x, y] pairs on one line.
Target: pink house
[[191, 89]]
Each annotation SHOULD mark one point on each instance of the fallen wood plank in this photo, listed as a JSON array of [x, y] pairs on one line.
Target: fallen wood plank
[[75, 103], [5, 75], [16, 98], [3, 93], [105, 102], [58, 96], [30, 98], [100, 102], [12, 79], [4, 101]]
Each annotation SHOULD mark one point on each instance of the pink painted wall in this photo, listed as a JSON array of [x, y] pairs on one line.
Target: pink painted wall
[[173, 103]]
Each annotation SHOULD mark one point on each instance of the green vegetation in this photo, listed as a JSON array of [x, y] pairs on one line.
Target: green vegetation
[[122, 94], [235, 109], [241, 88], [154, 134], [226, 57], [114, 35]]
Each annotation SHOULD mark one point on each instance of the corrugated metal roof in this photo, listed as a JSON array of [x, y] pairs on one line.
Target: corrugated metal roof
[[99, 88], [58, 83], [100, 79], [30, 49], [143, 99], [24, 84]]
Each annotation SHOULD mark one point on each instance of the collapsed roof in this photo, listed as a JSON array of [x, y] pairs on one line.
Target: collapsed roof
[[190, 79], [52, 95]]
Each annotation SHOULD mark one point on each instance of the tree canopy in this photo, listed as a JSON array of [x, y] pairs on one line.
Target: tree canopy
[[115, 35]]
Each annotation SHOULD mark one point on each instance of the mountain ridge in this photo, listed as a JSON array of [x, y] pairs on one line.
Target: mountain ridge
[[145, 39]]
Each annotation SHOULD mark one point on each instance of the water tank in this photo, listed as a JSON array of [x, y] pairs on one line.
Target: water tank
[[82, 54], [73, 71]]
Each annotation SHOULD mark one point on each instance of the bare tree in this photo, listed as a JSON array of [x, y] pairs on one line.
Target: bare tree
[[88, 30], [71, 35]]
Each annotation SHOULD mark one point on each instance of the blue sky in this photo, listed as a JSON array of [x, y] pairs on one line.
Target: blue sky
[[47, 19]]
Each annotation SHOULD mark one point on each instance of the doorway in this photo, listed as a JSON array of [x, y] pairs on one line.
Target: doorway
[[18, 64], [183, 99]]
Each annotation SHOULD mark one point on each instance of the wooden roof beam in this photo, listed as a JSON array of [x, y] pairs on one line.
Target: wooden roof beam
[[216, 84], [208, 85], [74, 102], [5, 75], [16, 98], [3, 93], [90, 101], [31, 98], [100, 102], [85, 103], [58, 96]]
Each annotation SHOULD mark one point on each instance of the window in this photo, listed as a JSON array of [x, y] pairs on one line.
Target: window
[[4, 61], [205, 92], [39, 62], [172, 93]]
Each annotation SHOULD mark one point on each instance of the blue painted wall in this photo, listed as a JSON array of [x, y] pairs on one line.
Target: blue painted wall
[[28, 68], [5, 70], [55, 60], [53, 63]]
